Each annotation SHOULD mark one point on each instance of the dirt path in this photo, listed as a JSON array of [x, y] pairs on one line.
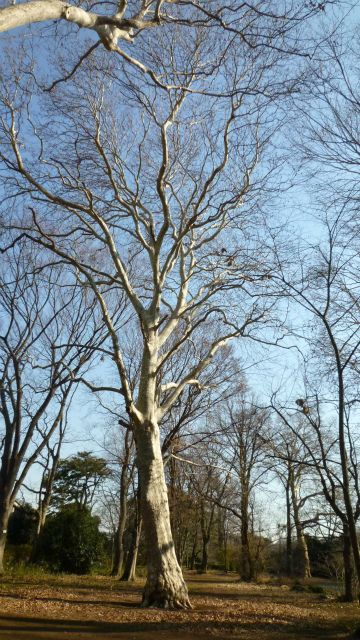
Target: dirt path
[[53, 608]]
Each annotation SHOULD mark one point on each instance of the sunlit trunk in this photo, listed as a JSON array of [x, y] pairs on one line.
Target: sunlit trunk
[[42, 515], [303, 561], [46, 489], [41, 519], [165, 586]]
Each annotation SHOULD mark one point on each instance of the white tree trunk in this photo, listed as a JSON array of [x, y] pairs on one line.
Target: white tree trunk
[[165, 586]]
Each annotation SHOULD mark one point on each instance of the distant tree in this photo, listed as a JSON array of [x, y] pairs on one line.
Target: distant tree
[[323, 278], [71, 540], [127, 471], [49, 460], [326, 288], [294, 470], [133, 534], [183, 504], [245, 431], [326, 556], [48, 333], [208, 486], [78, 479]]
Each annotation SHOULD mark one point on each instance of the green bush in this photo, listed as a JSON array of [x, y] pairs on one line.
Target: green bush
[[22, 525], [17, 555], [297, 586], [71, 541], [316, 588]]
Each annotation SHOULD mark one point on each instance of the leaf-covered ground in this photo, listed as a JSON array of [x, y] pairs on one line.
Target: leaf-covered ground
[[34, 608]]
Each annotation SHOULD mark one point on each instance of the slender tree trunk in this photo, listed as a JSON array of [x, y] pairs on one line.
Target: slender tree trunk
[[46, 488], [135, 552], [5, 511], [354, 540], [43, 508], [126, 476], [222, 542], [193, 551], [165, 586], [303, 564], [351, 523], [118, 559], [304, 554], [288, 532], [220, 528], [225, 552], [129, 574], [2, 551], [180, 553], [247, 564], [204, 555], [348, 567]]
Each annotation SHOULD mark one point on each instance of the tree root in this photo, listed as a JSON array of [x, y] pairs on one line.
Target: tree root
[[166, 601]]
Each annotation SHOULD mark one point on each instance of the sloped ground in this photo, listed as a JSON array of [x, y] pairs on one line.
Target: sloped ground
[[50, 607]]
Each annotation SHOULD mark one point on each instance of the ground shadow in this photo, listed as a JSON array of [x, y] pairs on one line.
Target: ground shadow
[[68, 601], [30, 628]]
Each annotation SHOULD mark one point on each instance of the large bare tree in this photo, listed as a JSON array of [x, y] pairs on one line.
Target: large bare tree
[[327, 284], [146, 189], [244, 433], [326, 288]]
